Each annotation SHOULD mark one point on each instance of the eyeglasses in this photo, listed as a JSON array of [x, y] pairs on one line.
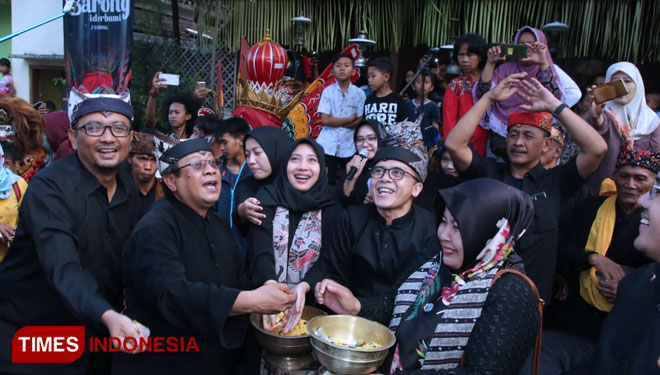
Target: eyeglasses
[[95, 129], [200, 165], [395, 173], [360, 140], [655, 191]]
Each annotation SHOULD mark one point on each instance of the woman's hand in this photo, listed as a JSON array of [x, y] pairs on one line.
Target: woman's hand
[[495, 55], [537, 55], [595, 110], [505, 88], [358, 162], [337, 297], [250, 210], [293, 314], [7, 233], [540, 98]]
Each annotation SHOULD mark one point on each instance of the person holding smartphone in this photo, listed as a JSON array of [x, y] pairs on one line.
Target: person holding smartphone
[[538, 64], [626, 120]]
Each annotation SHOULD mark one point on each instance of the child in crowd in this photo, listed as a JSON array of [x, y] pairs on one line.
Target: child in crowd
[[432, 119], [7, 81], [341, 108], [383, 105]]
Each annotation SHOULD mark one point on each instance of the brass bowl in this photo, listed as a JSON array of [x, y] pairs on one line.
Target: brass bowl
[[287, 353], [344, 360]]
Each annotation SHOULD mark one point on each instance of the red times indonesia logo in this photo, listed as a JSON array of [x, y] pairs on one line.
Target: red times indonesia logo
[[48, 344]]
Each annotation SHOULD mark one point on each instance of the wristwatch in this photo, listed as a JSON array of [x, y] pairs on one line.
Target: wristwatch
[[559, 108]]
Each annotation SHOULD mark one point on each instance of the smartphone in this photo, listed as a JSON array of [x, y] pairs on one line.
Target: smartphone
[[169, 79], [200, 85], [610, 90], [516, 51]]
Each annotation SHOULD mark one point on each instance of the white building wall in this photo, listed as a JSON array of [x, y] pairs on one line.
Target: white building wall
[[44, 40]]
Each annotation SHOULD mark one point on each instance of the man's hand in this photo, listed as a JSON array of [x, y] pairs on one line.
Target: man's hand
[[201, 92], [506, 88], [538, 96], [608, 289], [7, 233], [337, 297], [121, 326], [250, 210], [271, 298], [156, 82], [610, 270]]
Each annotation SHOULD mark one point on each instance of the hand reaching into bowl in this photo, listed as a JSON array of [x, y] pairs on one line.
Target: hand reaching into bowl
[[293, 314], [337, 297]]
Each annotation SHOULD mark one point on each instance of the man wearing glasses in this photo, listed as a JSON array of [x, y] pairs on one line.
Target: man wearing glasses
[[377, 245], [629, 342], [184, 275], [63, 267]]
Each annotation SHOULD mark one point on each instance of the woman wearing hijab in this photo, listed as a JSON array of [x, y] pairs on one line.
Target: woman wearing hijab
[[538, 63], [626, 120], [264, 149], [299, 210], [12, 189], [453, 318], [366, 137]]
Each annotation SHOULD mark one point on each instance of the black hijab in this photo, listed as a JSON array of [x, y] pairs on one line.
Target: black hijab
[[477, 205], [282, 193], [274, 142]]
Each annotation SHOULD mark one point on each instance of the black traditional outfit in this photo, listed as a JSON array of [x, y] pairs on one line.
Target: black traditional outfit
[[629, 343], [63, 267], [439, 317], [548, 188], [370, 257], [297, 226], [183, 277]]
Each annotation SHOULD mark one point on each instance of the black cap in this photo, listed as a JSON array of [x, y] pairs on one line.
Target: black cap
[[179, 151], [93, 105], [403, 155]]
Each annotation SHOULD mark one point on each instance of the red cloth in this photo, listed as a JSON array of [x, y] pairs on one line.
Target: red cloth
[[57, 128], [457, 101], [541, 120], [256, 117]]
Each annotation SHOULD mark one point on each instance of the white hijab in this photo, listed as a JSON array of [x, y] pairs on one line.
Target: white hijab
[[639, 116]]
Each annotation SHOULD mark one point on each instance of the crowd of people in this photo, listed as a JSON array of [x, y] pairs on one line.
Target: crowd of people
[[502, 222]]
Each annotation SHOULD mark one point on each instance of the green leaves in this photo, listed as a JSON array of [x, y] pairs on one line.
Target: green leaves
[[619, 30]]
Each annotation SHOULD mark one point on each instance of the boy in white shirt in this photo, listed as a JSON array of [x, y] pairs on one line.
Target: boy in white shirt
[[341, 108]]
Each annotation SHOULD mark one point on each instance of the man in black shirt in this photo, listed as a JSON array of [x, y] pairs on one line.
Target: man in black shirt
[[528, 136], [377, 246], [184, 275], [628, 342], [63, 268]]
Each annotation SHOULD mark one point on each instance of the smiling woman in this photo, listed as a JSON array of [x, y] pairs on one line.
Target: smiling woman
[[300, 210], [474, 250]]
